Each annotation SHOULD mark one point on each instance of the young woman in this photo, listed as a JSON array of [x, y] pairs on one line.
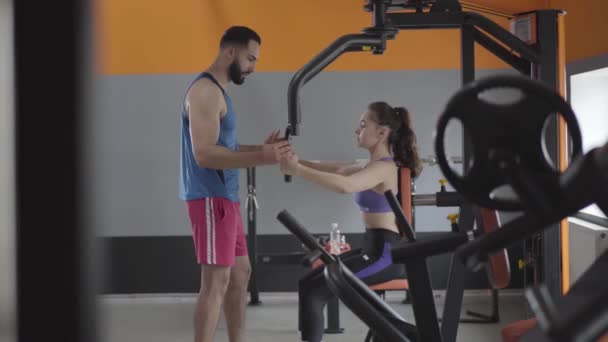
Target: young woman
[[387, 134]]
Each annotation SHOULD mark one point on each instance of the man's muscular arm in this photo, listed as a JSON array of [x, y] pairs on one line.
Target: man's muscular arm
[[204, 103], [250, 148], [274, 137]]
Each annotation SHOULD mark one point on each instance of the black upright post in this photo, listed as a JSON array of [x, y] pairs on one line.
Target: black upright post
[[467, 34], [252, 206], [467, 219], [421, 290], [379, 12], [413, 190], [547, 30], [333, 316], [453, 300], [55, 262]]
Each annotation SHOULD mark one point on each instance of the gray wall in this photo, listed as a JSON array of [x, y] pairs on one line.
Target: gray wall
[[132, 138], [587, 242], [7, 192]]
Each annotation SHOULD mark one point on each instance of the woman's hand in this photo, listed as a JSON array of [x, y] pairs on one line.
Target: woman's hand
[[289, 163]]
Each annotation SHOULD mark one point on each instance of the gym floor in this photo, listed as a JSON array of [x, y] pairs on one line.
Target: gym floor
[[154, 318]]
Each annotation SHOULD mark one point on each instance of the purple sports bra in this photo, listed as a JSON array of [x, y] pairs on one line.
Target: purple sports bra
[[370, 201]]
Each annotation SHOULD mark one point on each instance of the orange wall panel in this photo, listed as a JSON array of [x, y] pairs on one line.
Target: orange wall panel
[[154, 36], [586, 27]]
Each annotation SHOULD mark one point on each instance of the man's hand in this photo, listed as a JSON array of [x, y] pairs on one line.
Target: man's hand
[[274, 137], [272, 152]]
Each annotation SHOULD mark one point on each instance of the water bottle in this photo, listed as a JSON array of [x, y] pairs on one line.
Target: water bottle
[[334, 239]]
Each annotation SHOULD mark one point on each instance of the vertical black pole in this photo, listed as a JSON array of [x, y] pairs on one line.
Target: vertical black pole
[[468, 75], [455, 285], [408, 297], [547, 31], [453, 300], [379, 12], [413, 190], [252, 236], [55, 299], [333, 316], [421, 290]]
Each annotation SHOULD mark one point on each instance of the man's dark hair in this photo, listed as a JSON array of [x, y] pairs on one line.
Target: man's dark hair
[[239, 35]]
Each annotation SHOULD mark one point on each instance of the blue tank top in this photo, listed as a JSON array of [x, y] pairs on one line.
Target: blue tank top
[[197, 182]]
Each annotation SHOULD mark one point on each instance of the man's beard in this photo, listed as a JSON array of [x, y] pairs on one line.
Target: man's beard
[[236, 74]]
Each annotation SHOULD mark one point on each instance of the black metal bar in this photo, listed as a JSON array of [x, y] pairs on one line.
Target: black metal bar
[[418, 21], [254, 293], [499, 51], [454, 20], [373, 311], [589, 323], [453, 301], [581, 311], [423, 303], [343, 44], [449, 199], [287, 137], [493, 317], [365, 304], [408, 298], [413, 224], [526, 51], [441, 244], [56, 261], [467, 58], [404, 226], [466, 219], [547, 31], [379, 12], [468, 75], [301, 233], [333, 317], [542, 305]]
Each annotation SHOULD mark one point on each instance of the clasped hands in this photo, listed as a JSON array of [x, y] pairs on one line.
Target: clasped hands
[[278, 150]]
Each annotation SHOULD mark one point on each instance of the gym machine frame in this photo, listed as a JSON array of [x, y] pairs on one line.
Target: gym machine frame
[[545, 195], [538, 61], [445, 198]]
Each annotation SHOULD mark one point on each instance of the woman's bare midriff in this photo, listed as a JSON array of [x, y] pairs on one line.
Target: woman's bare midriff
[[380, 220]]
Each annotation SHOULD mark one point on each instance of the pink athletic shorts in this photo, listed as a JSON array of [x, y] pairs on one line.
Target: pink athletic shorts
[[217, 230]]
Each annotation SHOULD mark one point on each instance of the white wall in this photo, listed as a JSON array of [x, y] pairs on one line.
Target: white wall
[[589, 99], [7, 223]]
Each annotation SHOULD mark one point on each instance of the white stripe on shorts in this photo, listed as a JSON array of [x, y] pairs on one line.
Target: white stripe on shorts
[[208, 229], [213, 252]]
